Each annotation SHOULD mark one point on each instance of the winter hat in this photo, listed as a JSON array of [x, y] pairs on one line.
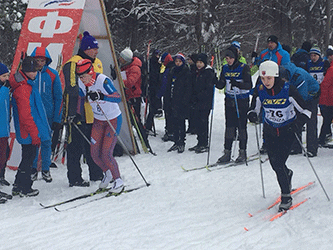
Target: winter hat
[[273, 39], [315, 50], [127, 54], [269, 68], [166, 58], [306, 46], [236, 44], [84, 66], [203, 58], [231, 52], [88, 42], [3, 69], [180, 56], [286, 47], [156, 52], [329, 52], [29, 64], [194, 57]]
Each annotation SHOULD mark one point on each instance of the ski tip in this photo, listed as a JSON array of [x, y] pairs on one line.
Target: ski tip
[[246, 229], [56, 209], [250, 215]]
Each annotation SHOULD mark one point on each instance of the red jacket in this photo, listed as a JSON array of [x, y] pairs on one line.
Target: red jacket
[[133, 78], [326, 87]]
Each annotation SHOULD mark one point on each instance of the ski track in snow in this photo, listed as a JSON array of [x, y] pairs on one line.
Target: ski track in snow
[[180, 210]]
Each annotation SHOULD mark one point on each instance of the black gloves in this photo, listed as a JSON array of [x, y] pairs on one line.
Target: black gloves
[[94, 96], [234, 83], [252, 116], [113, 73], [56, 126], [254, 54]]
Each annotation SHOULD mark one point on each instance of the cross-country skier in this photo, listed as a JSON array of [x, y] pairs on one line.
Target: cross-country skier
[[104, 99], [279, 101], [236, 77]]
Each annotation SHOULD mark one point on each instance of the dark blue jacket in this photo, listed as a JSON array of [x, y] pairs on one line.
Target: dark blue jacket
[[301, 58]]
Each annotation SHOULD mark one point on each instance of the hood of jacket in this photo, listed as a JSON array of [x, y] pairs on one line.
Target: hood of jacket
[[41, 51]]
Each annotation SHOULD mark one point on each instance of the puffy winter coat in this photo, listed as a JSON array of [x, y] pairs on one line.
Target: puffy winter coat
[[178, 92], [278, 55], [28, 110], [301, 58], [306, 85], [48, 85], [4, 111], [133, 78], [326, 86], [203, 82]]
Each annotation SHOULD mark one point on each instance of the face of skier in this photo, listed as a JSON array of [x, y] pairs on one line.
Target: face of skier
[[4, 77], [271, 45], [85, 78], [41, 61], [230, 60], [200, 64], [189, 61], [91, 52], [314, 57], [268, 81], [31, 75], [178, 62]]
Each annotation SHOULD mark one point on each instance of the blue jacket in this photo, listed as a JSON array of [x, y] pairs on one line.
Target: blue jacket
[[278, 55], [48, 85], [4, 112], [306, 85], [28, 110]]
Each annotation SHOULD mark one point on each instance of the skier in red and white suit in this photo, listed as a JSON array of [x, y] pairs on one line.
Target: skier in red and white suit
[[104, 99]]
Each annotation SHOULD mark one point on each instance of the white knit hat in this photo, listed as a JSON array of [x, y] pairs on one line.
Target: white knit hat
[[127, 54]]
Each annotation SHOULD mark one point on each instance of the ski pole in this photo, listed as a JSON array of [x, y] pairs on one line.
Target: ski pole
[[307, 157], [122, 144], [211, 127], [260, 162]]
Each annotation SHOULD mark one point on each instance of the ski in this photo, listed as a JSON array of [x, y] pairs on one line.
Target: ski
[[233, 164], [278, 200], [125, 191], [229, 164], [5, 196], [279, 214], [98, 191]]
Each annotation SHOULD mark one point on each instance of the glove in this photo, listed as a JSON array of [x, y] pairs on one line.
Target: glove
[[254, 54], [253, 117], [35, 140], [56, 126], [94, 96], [113, 73], [234, 83]]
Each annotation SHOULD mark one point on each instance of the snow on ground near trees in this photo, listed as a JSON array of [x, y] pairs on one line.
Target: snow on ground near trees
[[180, 210]]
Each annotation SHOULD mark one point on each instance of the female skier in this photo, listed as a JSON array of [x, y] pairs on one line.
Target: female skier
[[278, 100], [104, 99]]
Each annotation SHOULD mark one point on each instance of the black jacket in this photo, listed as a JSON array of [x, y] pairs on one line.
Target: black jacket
[[178, 92], [203, 82]]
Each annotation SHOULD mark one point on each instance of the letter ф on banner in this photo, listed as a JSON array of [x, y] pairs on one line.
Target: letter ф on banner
[[51, 24]]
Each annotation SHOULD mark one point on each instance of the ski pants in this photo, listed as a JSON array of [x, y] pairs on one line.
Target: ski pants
[[23, 174], [103, 141], [3, 153], [76, 147], [327, 114], [178, 128], [232, 122], [45, 151], [201, 129], [311, 129], [278, 158]]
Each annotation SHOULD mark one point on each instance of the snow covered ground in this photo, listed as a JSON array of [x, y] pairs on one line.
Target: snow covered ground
[[179, 210]]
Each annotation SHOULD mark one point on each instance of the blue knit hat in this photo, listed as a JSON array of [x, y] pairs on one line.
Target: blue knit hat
[[236, 44], [3, 69], [88, 42], [315, 50]]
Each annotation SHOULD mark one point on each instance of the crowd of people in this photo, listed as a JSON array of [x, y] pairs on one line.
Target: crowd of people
[[285, 96]]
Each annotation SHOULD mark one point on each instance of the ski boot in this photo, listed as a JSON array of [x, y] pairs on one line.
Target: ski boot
[[241, 157], [286, 202], [225, 158]]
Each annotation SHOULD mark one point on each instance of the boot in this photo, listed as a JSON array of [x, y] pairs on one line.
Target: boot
[[106, 180], [194, 148], [3, 181], [242, 156], [286, 202], [226, 157], [173, 147]]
